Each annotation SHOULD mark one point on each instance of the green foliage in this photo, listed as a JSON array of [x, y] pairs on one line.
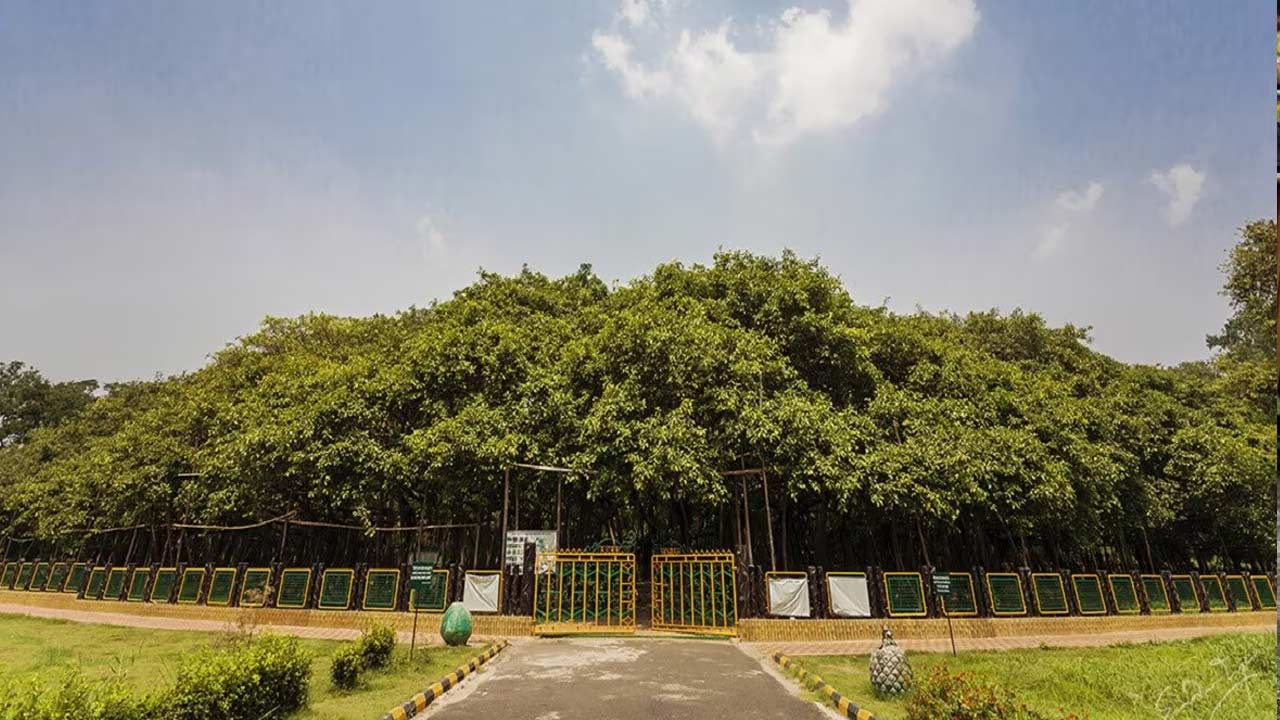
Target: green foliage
[[964, 697], [73, 697], [266, 676], [981, 434], [377, 642], [1250, 286], [346, 666], [29, 401]]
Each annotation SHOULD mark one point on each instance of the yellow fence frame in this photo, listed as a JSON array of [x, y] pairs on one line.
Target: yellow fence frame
[[501, 580], [35, 573], [888, 607], [182, 581], [151, 596], [128, 584], [124, 588], [1173, 579], [71, 571], [659, 593], [573, 557], [364, 591], [1248, 596], [306, 595], [1168, 606], [1066, 606], [88, 580], [1253, 579], [413, 593], [1076, 590], [351, 586], [231, 593], [1222, 591], [53, 571], [1111, 583], [244, 586], [973, 593], [1021, 595], [17, 578]]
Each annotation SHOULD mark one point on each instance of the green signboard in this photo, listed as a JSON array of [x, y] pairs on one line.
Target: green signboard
[[1157, 595], [1187, 598], [10, 575], [115, 584], [75, 578], [1213, 594], [1124, 593], [162, 588], [189, 587], [220, 586], [432, 597], [40, 577], [97, 578], [1266, 594], [253, 588], [1239, 593], [335, 589], [138, 585], [1051, 598], [1089, 594], [1006, 594], [960, 602], [24, 576], [381, 590], [295, 586], [904, 594], [57, 577]]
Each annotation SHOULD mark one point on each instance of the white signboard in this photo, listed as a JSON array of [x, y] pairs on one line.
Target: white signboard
[[544, 539], [848, 595], [789, 596], [480, 591]]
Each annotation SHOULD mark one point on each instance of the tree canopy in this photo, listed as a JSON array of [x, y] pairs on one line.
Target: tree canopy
[[982, 438]]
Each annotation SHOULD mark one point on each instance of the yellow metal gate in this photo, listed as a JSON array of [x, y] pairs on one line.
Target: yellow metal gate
[[695, 593], [585, 592]]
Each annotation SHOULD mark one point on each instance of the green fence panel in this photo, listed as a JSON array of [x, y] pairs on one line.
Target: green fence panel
[[220, 586], [295, 587], [1186, 591], [432, 598], [115, 584], [76, 578], [1089, 594], [189, 586], [162, 588], [40, 577], [1266, 594], [24, 576], [904, 594], [254, 587], [1051, 599], [381, 590], [335, 589], [960, 601], [1124, 593], [97, 578], [10, 575], [1239, 593], [1006, 594], [1213, 593], [57, 577], [138, 585], [1157, 595]]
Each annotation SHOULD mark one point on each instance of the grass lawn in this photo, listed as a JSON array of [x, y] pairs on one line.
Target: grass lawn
[[145, 659], [1225, 676]]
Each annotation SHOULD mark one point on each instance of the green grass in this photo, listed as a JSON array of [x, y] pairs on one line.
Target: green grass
[[1225, 676], [145, 659]]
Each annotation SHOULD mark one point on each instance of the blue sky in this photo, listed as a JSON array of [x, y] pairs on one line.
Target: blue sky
[[175, 171]]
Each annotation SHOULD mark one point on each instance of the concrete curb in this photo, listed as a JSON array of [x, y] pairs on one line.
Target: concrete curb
[[843, 706], [419, 702]]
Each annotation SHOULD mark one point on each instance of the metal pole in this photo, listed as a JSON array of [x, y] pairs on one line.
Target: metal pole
[[746, 516], [559, 483], [502, 544], [413, 637], [768, 520]]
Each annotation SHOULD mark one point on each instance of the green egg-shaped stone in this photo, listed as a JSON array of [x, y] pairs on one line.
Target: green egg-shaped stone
[[455, 626]]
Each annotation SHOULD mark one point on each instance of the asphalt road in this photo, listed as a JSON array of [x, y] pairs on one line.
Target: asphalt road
[[625, 679]]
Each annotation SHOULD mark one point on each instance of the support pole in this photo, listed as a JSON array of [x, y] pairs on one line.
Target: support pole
[[559, 483], [768, 519], [502, 542], [746, 517]]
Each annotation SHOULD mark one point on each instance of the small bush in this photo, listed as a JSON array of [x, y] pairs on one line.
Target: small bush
[[377, 641], [263, 677], [74, 696], [346, 666], [964, 697]]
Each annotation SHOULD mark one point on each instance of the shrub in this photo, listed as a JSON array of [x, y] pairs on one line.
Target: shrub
[[346, 666], [377, 641], [74, 696], [266, 676], [964, 697]]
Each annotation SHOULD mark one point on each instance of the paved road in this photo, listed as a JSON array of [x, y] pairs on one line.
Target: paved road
[[625, 679]]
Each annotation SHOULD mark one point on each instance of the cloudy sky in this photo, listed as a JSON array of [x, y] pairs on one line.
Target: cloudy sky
[[173, 172]]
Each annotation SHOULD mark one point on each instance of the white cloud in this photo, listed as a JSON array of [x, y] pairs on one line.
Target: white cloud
[[812, 73], [1182, 185], [1080, 200]]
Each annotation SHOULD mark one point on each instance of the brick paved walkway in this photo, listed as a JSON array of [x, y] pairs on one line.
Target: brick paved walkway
[[864, 647]]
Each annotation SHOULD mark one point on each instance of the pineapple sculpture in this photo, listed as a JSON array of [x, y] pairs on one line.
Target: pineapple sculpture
[[890, 671]]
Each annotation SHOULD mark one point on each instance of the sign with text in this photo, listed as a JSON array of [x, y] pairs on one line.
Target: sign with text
[[942, 583], [545, 540]]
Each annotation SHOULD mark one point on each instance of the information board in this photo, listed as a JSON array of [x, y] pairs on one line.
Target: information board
[[1239, 593], [381, 589], [1213, 595], [115, 584], [904, 594], [10, 575], [847, 594], [1265, 593], [482, 591], [138, 585], [220, 586], [433, 598], [40, 577], [1188, 600], [24, 576], [76, 577], [57, 577], [1088, 591], [1051, 597], [295, 588], [545, 540], [253, 588], [960, 601], [1006, 594], [162, 588], [97, 578], [1124, 594], [335, 589], [1157, 596], [189, 587]]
